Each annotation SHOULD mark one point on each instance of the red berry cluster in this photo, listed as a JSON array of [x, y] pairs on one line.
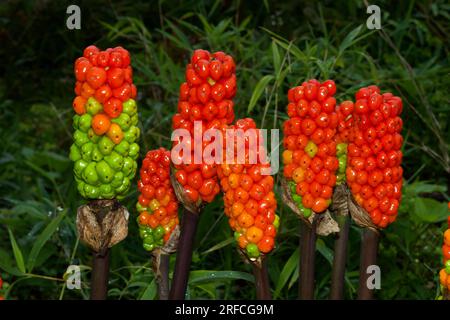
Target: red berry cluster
[[206, 97], [157, 202], [106, 76], [373, 173], [310, 161], [249, 199]]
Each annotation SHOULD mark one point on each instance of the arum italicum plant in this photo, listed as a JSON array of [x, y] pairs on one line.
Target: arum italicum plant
[[205, 99], [158, 214], [104, 152]]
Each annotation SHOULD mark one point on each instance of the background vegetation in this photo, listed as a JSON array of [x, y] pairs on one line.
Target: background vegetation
[[276, 45]]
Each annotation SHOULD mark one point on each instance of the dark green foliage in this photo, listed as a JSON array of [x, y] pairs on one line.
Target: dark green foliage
[[276, 46]]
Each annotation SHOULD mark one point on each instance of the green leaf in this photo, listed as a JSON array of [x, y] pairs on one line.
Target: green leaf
[[42, 240], [259, 89], [276, 57], [17, 252], [326, 252], [6, 264], [150, 292], [349, 39], [287, 271], [220, 245], [203, 276], [430, 210]]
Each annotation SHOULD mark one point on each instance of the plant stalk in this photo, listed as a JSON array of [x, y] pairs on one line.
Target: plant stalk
[[100, 274], [162, 277], [307, 260], [340, 258], [369, 250], [262, 281], [189, 224]]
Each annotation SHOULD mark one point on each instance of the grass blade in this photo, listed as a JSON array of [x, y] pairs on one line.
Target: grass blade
[[259, 89], [42, 240], [17, 252], [287, 271]]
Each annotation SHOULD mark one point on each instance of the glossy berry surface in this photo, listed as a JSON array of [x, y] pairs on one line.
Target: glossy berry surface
[[374, 173], [310, 149], [250, 203], [157, 204], [205, 102], [104, 151]]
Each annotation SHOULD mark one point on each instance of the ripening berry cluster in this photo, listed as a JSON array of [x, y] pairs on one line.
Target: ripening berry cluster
[[205, 98], [104, 150], [249, 199], [373, 172], [157, 204], [344, 130], [444, 274], [309, 158]]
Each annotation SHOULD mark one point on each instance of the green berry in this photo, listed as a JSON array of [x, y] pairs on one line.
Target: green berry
[[93, 106], [75, 153], [252, 250]]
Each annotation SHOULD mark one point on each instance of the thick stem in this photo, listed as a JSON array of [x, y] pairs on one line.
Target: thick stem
[[99, 277], [262, 281], [307, 260], [369, 249], [340, 258], [184, 255], [163, 277]]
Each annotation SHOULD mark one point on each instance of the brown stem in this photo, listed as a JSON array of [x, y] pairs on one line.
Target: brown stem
[[100, 273], [189, 224], [307, 260], [340, 258], [163, 277], [369, 249], [262, 281]]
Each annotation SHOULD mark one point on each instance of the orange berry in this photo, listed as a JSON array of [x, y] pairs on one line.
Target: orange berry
[[245, 220], [233, 180], [115, 133], [266, 244], [447, 237], [237, 208], [191, 193], [254, 234], [287, 157], [152, 221], [100, 124], [319, 205], [242, 241], [298, 175], [144, 218], [79, 104]]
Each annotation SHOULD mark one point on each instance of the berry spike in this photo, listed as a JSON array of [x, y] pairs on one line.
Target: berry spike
[[104, 151], [249, 199], [157, 204], [204, 103], [374, 173], [309, 158]]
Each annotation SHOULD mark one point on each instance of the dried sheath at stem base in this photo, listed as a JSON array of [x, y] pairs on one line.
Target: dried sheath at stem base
[[101, 224]]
